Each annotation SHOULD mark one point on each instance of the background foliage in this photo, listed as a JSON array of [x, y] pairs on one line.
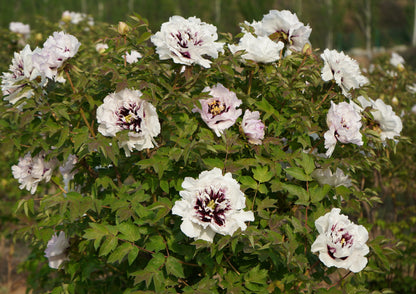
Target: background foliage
[[123, 236], [336, 23]]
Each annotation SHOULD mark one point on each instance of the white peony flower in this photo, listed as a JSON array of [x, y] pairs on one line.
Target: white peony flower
[[284, 26], [20, 28], [219, 112], [344, 123], [56, 50], [187, 41], [389, 123], [125, 110], [76, 17], [258, 49], [21, 71], [211, 204], [414, 109], [31, 170], [397, 61], [412, 88], [343, 69], [55, 250], [67, 170], [253, 127], [133, 56], [341, 243], [101, 47], [324, 176]]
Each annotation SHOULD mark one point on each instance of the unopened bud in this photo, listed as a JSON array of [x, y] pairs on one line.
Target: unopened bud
[[123, 28], [38, 37], [400, 67], [307, 49], [66, 16], [395, 101]]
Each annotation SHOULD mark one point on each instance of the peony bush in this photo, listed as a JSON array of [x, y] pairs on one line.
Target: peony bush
[[192, 161]]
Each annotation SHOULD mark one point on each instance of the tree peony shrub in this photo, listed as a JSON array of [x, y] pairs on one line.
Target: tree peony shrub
[[159, 184]]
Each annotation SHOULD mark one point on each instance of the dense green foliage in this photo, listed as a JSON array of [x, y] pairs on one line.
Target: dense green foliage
[[123, 237]]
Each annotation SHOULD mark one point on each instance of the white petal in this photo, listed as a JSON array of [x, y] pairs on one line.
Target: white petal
[[190, 229]]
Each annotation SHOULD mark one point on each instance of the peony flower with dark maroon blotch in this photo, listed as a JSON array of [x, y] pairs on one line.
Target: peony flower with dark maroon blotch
[[187, 41], [125, 110], [220, 111], [211, 204], [341, 243]]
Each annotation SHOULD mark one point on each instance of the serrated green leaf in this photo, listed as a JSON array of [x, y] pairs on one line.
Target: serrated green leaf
[[262, 174], [303, 197], [248, 181], [129, 231], [155, 243], [298, 173], [119, 253], [318, 193], [307, 163], [174, 267], [109, 244], [131, 257]]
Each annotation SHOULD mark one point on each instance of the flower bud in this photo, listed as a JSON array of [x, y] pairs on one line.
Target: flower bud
[[307, 49], [38, 37], [400, 67], [66, 16], [123, 28], [395, 101]]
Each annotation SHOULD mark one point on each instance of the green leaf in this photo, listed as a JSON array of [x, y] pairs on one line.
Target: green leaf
[[248, 181], [262, 174], [119, 253], [318, 193], [307, 163], [157, 261], [131, 257], [213, 162], [109, 244], [174, 267], [299, 192], [164, 185], [129, 231], [298, 174], [155, 243]]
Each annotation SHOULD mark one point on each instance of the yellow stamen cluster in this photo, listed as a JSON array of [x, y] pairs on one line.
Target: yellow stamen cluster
[[215, 108]]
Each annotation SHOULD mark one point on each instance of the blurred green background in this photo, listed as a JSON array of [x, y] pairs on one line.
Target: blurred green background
[[339, 24]]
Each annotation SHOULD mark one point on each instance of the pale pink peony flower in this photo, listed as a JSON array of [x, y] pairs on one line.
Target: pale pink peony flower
[[125, 110], [56, 50], [341, 243], [344, 123], [133, 56], [219, 112], [389, 123], [253, 127], [187, 41], [55, 250], [32, 170], [258, 49], [343, 69], [284, 26], [211, 204]]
